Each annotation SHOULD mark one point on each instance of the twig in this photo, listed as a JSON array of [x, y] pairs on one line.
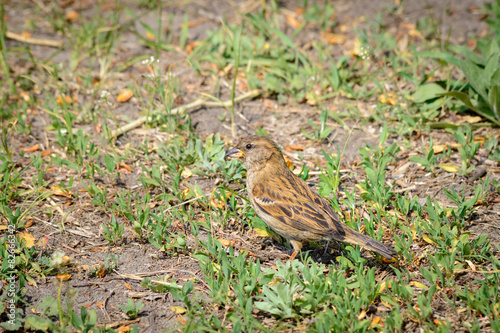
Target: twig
[[36, 41], [182, 109], [75, 232], [182, 203], [120, 323]]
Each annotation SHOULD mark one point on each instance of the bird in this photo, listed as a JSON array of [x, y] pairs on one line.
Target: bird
[[286, 203]]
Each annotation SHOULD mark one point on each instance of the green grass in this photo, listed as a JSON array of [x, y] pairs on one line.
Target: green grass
[[167, 210]]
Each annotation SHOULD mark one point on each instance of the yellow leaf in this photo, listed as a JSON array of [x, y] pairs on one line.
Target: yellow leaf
[[427, 239], [125, 95], [226, 242], [262, 233], [31, 149], [186, 173], [418, 285], [57, 190], [177, 309], [63, 277], [449, 168], [28, 239]]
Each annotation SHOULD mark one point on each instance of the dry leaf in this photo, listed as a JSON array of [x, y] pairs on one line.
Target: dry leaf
[[28, 223], [127, 286], [101, 272], [191, 45], [150, 36], [449, 168], [439, 148], [226, 242], [57, 190], [289, 162], [47, 152], [71, 16], [262, 233], [67, 99], [362, 315], [181, 320], [65, 260], [100, 305], [124, 329], [294, 147], [427, 239], [388, 98], [28, 238], [124, 168], [124, 95], [177, 309], [438, 322], [42, 241], [292, 20], [336, 39], [471, 119], [186, 173], [63, 277], [418, 285], [31, 149]]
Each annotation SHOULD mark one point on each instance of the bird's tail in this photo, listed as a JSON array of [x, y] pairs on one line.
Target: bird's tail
[[355, 237]]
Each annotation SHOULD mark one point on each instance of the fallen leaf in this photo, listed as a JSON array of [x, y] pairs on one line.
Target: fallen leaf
[[42, 241], [362, 315], [181, 320], [262, 233], [124, 168], [31, 149], [57, 190], [439, 148], [124, 95], [28, 223], [438, 322], [71, 16], [88, 304], [418, 285], [66, 260], [226, 242], [294, 147], [471, 119], [177, 309], [449, 168], [101, 272], [60, 100], [289, 162], [191, 45], [100, 305], [388, 98], [336, 39], [63, 277], [186, 173], [124, 329], [150, 36], [427, 239], [292, 20], [127, 286], [28, 238]]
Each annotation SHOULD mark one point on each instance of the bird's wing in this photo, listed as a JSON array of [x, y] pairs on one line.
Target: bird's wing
[[290, 200]]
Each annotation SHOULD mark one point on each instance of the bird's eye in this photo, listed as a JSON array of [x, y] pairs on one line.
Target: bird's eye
[[248, 146]]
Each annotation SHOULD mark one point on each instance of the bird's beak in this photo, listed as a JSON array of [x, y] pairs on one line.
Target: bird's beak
[[235, 153]]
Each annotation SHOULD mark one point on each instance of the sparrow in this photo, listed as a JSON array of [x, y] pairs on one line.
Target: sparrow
[[287, 205]]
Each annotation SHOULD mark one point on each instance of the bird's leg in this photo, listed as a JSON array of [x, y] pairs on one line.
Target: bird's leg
[[292, 256], [326, 247], [296, 249]]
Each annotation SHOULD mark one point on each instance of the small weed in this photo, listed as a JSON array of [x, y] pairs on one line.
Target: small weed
[[132, 310]]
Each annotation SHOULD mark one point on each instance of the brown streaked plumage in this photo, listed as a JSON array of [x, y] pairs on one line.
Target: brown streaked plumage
[[287, 205]]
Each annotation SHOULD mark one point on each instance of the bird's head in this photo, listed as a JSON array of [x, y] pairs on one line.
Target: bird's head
[[257, 151]]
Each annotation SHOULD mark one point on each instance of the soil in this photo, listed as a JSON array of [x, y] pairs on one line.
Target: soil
[[457, 22]]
